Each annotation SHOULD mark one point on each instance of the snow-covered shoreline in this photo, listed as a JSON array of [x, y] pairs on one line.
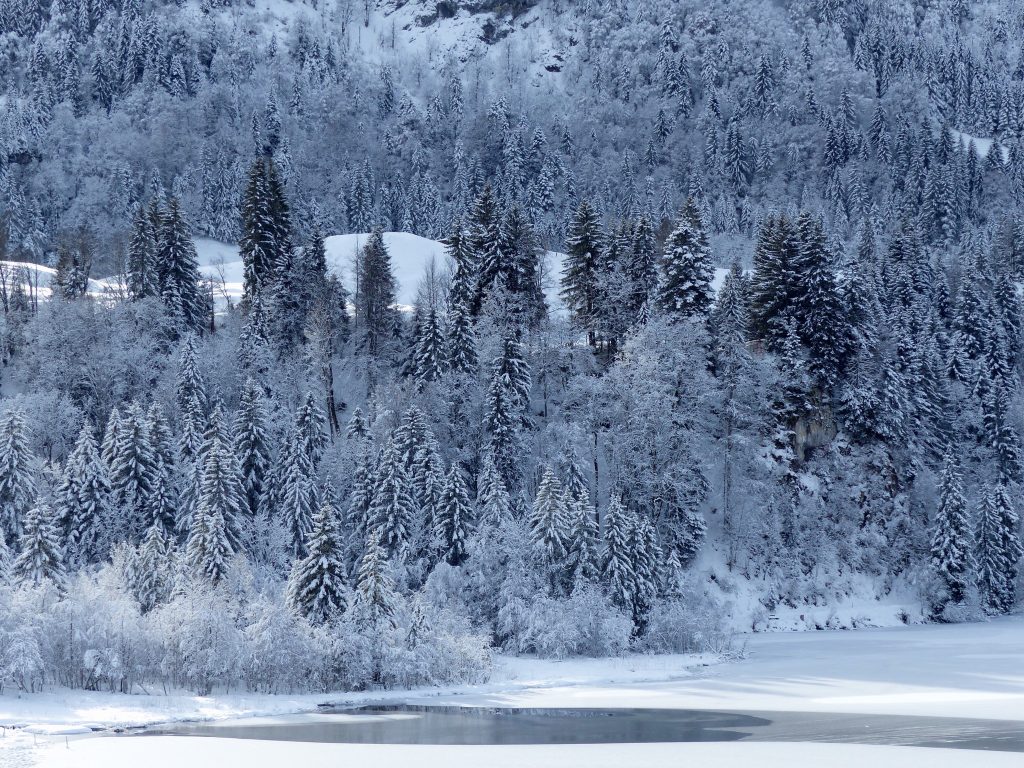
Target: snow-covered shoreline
[[968, 670]]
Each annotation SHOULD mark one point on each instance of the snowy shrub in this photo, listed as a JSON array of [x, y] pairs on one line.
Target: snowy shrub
[[584, 624], [693, 623]]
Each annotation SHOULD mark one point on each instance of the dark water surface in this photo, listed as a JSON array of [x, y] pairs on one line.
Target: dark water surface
[[406, 724]]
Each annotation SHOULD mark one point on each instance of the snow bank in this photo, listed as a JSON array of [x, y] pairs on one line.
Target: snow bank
[[174, 751]]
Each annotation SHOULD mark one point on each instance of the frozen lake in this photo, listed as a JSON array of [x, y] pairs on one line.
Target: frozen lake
[[451, 725]]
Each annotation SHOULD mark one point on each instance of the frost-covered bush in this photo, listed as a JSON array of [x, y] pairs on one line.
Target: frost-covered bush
[[584, 624], [692, 623]]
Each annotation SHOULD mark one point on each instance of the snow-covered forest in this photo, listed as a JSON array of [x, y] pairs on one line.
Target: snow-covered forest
[[728, 323]]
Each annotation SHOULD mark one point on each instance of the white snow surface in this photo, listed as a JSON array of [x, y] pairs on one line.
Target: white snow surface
[[198, 752], [411, 255], [966, 670], [981, 144]]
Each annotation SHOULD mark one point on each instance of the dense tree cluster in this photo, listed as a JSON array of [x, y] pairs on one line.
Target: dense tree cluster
[[783, 365]]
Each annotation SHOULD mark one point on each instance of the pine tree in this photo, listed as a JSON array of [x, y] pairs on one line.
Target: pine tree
[[461, 342], [40, 555], [375, 294], [190, 386], [584, 247], [684, 289], [505, 402], [132, 474], [483, 244], [317, 588], [492, 500], [584, 544], [999, 550], [464, 267], [141, 267], [549, 523], [151, 576], [178, 271], [952, 540], [618, 562], [429, 352], [162, 502], [392, 511], [215, 533], [821, 314], [357, 428], [375, 592], [17, 484], [453, 518], [298, 493], [252, 444], [82, 500]]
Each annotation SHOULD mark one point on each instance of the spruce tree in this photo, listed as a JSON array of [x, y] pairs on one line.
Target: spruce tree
[[162, 502], [375, 294], [999, 549], [133, 476], [215, 533], [463, 267], [461, 342], [453, 518], [316, 587], [392, 511], [505, 402], [549, 523], [821, 314], [357, 428], [684, 288], [252, 443], [141, 266], [584, 539], [258, 246], [151, 576], [642, 267], [40, 554], [17, 484], [375, 592], [298, 493], [952, 540], [190, 385], [618, 552], [492, 499], [580, 288], [429, 352], [82, 501], [775, 284], [178, 271], [483, 238]]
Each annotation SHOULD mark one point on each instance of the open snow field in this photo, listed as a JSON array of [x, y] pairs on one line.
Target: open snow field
[[966, 671]]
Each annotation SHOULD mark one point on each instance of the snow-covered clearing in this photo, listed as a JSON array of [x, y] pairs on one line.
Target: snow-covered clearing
[[968, 670], [411, 256]]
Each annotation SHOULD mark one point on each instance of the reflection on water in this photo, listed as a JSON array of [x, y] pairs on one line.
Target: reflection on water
[[406, 724]]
